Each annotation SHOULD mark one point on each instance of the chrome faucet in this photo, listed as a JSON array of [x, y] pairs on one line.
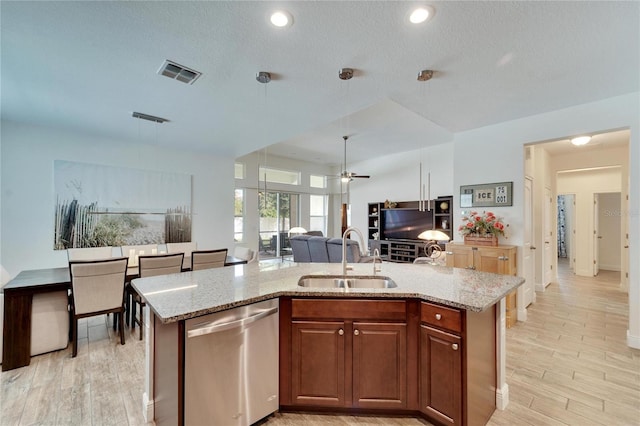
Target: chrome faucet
[[346, 268], [376, 256]]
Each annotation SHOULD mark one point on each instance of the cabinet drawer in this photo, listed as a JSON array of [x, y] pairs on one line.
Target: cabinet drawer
[[346, 309], [440, 316]]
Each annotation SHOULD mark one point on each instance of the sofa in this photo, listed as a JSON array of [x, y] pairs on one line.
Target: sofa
[[310, 248]]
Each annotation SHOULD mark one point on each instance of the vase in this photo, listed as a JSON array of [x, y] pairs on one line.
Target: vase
[[481, 240]]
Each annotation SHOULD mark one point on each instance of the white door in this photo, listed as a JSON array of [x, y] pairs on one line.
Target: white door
[[596, 234], [528, 254], [547, 263]]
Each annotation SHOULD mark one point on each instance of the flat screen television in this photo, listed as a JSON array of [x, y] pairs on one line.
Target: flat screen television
[[405, 224]]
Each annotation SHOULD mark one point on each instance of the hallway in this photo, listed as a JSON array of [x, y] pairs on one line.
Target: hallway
[[569, 363]]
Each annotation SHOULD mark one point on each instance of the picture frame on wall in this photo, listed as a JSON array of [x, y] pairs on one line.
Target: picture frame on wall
[[498, 194]]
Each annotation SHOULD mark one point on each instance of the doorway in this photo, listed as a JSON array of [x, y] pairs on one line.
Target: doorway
[[607, 231], [566, 229], [279, 212]]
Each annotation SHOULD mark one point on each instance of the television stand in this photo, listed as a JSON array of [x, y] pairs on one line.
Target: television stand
[[405, 251]]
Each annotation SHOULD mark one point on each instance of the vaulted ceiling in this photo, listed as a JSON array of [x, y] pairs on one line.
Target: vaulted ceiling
[[86, 66]]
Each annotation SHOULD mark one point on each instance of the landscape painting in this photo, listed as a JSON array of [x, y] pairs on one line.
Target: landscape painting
[[98, 206]]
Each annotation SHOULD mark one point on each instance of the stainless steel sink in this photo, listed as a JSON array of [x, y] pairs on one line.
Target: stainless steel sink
[[352, 281]]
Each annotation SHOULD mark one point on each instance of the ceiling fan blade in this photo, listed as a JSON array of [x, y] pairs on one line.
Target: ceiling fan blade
[[353, 175]]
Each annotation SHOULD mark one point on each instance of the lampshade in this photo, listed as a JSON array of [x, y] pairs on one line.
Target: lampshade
[[433, 235], [297, 230]]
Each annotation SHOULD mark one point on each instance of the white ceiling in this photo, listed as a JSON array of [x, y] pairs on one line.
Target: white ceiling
[[86, 66], [613, 139]]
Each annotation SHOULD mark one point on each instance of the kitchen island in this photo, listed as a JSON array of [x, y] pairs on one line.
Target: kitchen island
[[432, 309]]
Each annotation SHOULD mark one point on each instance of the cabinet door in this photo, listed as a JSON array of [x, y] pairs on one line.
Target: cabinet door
[[441, 375], [379, 365], [459, 256], [494, 259], [317, 363]]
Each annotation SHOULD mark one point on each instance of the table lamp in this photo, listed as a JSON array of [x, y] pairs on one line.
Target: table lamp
[[431, 248], [297, 230]]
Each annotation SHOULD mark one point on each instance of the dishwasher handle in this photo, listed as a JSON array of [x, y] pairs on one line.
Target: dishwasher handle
[[212, 327]]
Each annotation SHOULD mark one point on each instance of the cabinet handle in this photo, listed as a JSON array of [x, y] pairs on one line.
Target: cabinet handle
[[341, 332], [438, 317], [454, 346], [356, 332], [448, 252], [503, 257], [532, 248]]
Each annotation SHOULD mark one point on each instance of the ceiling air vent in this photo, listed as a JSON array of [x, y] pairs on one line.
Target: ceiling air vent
[[178, 72]]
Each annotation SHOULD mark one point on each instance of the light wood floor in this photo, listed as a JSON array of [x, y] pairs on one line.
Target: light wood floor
[[567, 365]]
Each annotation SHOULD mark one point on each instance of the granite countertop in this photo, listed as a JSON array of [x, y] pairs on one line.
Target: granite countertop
[[190, 294]]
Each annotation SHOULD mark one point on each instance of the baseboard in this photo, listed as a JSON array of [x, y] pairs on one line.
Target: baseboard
[[610, 267], [521, 314], [502, 397], [540, 287], [633, 341], [147, 408]]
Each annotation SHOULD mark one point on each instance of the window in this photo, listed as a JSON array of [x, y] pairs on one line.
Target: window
[[238, 171], [318, 213], [238, 219], [317, 181], [279, 176]]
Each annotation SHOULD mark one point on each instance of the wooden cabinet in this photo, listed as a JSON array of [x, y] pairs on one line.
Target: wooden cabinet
[[498, 260], [347, 353], [318, 358], [396, 356], [379, 365], [457, 365], [441, 351], [441, 375]]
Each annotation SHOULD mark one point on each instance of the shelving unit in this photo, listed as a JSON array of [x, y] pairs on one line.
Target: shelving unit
[[442, 217], [406, 250]]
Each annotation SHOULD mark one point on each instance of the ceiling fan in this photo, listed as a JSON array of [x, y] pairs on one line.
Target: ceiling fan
[[347, 176]]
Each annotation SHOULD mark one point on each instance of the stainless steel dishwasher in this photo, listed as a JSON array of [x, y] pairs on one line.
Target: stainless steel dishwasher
[[231, 366]]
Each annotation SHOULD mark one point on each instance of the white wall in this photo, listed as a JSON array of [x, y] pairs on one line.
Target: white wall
[[397, 178], [494, 153], [27, 210]]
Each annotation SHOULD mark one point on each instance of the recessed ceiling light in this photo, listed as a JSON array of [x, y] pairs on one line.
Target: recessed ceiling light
[[281, 19], [581, 140], [421, 14]]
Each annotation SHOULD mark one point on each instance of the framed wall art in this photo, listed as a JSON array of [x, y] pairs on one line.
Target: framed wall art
[[497, 194], [97, 206]]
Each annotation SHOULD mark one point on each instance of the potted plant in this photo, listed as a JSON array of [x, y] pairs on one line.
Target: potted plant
[[482, 229]]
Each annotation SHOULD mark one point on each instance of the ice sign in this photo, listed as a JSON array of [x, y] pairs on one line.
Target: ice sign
[[501, 194]]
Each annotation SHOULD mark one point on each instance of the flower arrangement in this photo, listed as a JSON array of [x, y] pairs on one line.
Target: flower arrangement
[[485, 224]]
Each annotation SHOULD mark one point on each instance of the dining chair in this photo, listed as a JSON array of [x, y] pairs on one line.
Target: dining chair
[[185, 248], [151, 266], [90, 253], [97, 288], [133, 252], [207, 259], [245, 253]]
